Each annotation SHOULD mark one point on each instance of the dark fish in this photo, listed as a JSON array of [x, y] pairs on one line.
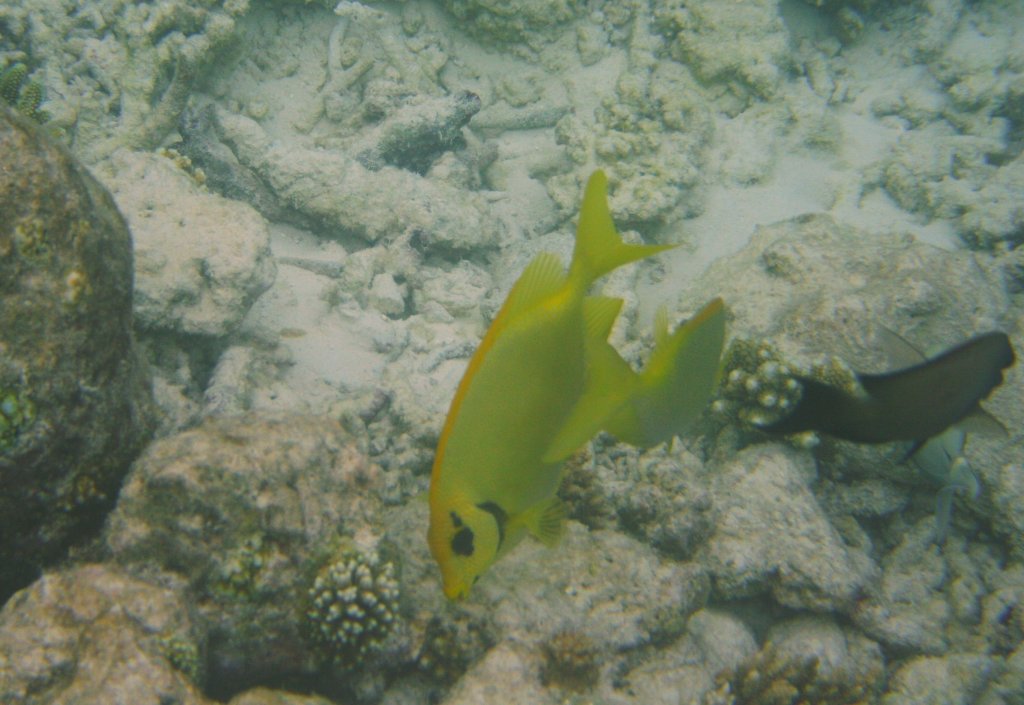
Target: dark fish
[[912, 404]]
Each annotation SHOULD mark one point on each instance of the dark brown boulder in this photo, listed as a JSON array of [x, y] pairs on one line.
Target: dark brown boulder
[[75, 398]]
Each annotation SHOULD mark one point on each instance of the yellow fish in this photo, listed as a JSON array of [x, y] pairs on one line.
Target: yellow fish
[[542, 382]]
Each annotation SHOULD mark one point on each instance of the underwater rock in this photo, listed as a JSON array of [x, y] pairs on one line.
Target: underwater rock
[[816, 290], [994, 217], [848, 667], [961, 160], [655, 134], [201, 260], [75, 404], [266, 696], [224, 174], [416, 134], [346, 198], [119, 75], [643, 599], [232, 383], [702, 36], [1006, 481], [812, 286], [530, 21], [957, 679], [606, 587], [810, 673], [509, 673], [908, 610], [715, 641], [246, 510], [92, 635], [772, 536], [658, 496]]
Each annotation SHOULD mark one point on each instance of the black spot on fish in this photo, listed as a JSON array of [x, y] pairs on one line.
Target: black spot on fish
[[500, 518], [462, 542], [456, 520]]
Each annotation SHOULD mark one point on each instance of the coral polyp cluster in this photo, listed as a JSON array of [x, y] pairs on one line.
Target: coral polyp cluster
[[571, 661], [772, 677], [23, 95], [758, 387], [16, 413], [353, 606]]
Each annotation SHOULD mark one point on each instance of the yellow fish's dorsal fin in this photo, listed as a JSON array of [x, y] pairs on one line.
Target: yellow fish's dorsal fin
[[599, 314], [546, 521], [599, 248], [541, 278], [677, 382]]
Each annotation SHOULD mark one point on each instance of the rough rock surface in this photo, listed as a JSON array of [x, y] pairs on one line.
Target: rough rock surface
[[698, 32], [93, 635], [772, 535], [201, 260], [245, 510], [951, 680], [115, 74], [75, 404], [818, 290], [266, 696], [812, 284], [598, 587], [714, 641], [525, 20], [959, 156], [348, 199], [908, 610]]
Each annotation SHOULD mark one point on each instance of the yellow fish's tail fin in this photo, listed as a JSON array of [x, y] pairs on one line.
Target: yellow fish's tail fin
[[599, 248], [546, 521], [677, 382]]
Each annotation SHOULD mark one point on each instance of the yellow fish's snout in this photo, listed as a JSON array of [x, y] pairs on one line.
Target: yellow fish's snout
[[464, 541], [456, 585], [457, 590]]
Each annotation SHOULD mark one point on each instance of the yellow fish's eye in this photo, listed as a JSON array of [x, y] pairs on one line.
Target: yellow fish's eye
[[462, 541]]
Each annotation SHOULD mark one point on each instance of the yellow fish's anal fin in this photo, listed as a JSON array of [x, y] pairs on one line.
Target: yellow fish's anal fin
[[599, 247], [611, 382], [546, 521], [677, 382]]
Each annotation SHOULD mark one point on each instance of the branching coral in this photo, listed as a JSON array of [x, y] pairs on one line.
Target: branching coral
[[757, 386], [771, 677], [449, 647], [353, 606], [571, 661], [16, 413], [23, 95]]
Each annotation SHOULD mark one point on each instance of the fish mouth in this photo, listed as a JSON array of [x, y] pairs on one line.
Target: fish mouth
[[456, 592]]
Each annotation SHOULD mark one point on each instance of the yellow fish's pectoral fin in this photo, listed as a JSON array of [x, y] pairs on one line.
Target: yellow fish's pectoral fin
[[677, 382], [545, 521]]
